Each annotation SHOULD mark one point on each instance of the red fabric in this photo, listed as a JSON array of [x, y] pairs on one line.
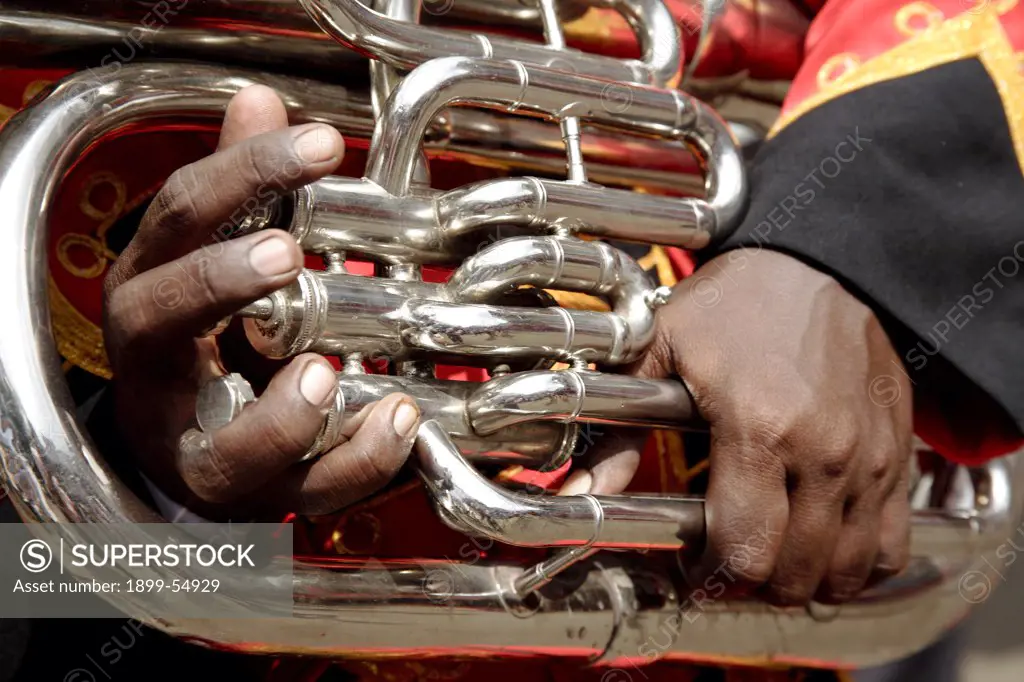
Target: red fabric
[[868, 28], [763, 40]]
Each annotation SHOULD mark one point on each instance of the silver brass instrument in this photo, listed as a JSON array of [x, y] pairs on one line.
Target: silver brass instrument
[[437, 91]]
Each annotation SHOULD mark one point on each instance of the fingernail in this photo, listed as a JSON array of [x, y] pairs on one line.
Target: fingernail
[[578, 483], [317, 383], [315, 145], [272, 257], [406, 418]]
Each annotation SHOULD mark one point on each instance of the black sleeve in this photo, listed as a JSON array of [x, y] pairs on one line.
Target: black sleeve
[[910, 192]]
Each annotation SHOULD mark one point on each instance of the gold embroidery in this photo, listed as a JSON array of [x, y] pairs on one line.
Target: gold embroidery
[[78, 339], [97, 245], [917, 18], [101, 254], [837, 67], [968, 35], [109, 215]]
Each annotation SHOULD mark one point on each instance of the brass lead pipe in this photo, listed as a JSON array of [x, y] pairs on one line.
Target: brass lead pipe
[[405, 45]]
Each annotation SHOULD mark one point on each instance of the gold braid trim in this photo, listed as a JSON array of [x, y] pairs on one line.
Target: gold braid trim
[[977, 35], [78, 339]]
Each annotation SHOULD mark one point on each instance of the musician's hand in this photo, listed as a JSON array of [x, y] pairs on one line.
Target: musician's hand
[[810, 416], [178, 277]]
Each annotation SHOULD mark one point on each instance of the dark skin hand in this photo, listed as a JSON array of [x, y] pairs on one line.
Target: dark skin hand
[[177, 278], [811, 429]]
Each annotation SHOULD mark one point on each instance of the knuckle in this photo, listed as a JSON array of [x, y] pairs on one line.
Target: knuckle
[[835, 443], [286, 438], [844, 435], [263, 159], [125, 321], [327, 497], [775, 424], [746, 565], [880, 468], [114, 278], [375, 451], [174, 206], [210, 285], [370, 468], [771, 434], [754, 574], [205, 469], [833, 463]]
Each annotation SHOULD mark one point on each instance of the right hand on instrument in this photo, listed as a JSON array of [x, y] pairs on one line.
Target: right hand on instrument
[[808, 481], [177, 278]]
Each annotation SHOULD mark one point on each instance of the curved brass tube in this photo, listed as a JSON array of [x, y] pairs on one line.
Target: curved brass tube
[[405, 45], [573, 395], [470, 503], [29, 37], [337, 314], [356, 216], [556, 95], [54, 473]]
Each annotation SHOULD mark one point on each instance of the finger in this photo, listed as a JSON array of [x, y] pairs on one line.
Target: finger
[[747, 512], [608, 466], [266, 438], [210, 197], [815, 518], [894, 533], [859, 541], [360, 467], [180, 300], [255, 110], [855, 553]]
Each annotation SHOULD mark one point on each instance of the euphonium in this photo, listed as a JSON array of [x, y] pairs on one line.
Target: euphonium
[[527, 411]]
